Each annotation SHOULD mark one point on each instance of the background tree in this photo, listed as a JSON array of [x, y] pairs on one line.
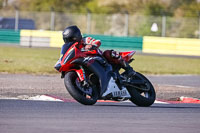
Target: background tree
[[147, 7], [46, 5]]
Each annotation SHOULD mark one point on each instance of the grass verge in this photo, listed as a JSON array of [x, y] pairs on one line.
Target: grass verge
[[16, 59]]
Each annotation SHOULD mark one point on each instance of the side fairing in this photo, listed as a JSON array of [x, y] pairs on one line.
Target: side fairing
[[104, 73]]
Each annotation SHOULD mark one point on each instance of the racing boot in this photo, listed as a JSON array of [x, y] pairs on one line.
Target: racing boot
[[114, 57]]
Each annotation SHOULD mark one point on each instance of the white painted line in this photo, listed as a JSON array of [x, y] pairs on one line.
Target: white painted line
[[160, 102], [52, 98], [44, 98], [11, 98]]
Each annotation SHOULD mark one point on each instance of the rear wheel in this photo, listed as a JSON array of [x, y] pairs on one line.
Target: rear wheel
[[139, 97], [82, 94]]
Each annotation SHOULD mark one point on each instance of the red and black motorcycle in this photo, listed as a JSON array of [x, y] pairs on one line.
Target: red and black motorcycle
[[88, 77]]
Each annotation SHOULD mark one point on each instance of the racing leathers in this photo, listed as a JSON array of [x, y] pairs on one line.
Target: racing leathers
[[89, 43]]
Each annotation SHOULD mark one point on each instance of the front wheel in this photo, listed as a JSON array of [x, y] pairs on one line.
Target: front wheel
[[139, 97], [82, 94]]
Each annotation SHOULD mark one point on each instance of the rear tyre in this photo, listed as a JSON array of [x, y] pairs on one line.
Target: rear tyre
[[141, 98], [71, 80]]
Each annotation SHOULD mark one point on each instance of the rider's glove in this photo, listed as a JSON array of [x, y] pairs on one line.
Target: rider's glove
[[91, 41]]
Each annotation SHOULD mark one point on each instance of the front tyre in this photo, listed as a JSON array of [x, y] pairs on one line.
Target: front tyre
[[73, 85], [139, 97]]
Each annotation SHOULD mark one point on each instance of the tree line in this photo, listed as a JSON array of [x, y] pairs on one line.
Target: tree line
[[183, 8]]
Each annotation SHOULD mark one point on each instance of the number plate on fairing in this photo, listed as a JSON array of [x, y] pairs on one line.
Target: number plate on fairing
[[119, 93]]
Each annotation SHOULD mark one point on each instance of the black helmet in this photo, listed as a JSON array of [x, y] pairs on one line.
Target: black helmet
[[72, 34]]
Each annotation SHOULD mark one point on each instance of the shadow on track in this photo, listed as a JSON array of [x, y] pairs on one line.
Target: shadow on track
[[159, 106]]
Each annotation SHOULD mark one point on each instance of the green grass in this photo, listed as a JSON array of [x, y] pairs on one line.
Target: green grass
[[166, 65], [15, 59], [28, 60]]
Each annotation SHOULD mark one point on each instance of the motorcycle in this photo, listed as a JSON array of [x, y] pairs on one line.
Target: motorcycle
[[88, 77]]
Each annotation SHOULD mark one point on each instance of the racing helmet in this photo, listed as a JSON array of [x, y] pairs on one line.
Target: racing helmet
[[72, 34]]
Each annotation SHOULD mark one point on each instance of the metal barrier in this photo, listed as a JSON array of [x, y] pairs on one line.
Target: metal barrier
[[9, 36], [175, 46], [119, 43], [146, 44], [54, 39]]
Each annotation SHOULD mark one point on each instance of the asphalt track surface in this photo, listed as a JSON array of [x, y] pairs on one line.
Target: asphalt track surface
[[178, 80], [23, 116], [17, 116], [168, 87]]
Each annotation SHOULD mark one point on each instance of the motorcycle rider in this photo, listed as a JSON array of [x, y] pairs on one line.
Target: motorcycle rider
[[72, 35]]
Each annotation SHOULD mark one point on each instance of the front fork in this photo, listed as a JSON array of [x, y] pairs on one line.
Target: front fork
[[85, 87], [82, 77]]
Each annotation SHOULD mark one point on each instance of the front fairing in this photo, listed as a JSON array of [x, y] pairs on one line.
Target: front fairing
[[74, 52]]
